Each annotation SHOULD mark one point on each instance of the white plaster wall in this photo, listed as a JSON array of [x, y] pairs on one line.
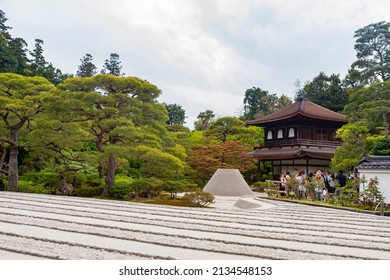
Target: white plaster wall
[[383, 176]]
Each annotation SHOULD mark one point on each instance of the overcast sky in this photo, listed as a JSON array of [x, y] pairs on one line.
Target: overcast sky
[[202, 54]]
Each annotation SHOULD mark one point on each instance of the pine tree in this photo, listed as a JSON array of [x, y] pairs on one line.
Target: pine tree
[[86, 68], [113, 66]]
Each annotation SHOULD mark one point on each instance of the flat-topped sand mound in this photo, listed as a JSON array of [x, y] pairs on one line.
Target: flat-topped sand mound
[[228, 182]]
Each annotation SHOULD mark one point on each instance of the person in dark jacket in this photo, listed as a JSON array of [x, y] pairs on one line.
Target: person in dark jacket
[[341, 179]]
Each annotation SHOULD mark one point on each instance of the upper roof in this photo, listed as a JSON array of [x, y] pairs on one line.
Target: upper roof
[[374, 162], [302, 107]]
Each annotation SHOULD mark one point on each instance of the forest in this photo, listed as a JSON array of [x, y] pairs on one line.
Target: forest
[[103, 133]]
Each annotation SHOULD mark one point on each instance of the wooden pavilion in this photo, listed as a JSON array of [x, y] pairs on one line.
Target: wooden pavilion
[[299, 136]]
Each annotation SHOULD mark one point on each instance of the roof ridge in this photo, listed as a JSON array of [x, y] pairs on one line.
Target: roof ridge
[[302, 105]]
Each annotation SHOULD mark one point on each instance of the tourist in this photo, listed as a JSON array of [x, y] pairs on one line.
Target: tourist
[[319, 185], [342, 180], [330, 179], [301, 187], [283, 182]]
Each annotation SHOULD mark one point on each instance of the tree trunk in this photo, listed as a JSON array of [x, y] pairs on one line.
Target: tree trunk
[[385, 124], [13, 173], [101, 170], [2, 159], [110, 179]]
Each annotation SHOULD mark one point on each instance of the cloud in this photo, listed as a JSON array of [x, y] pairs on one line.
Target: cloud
[[222, 103], [203, 54]]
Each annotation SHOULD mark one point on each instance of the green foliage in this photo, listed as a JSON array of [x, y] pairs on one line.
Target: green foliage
[[203, 120], [40, 67], [21, 101], [373, 52], [176, 114], [254, 103], [156, 163], [147, 187], [199, 198], [45, 178], [89, 191], [175, 187], [113, 66], [32, 187], [86, 68], [197, 137], [122, 187], [371, 104], [224, 127], [258, 103], [13, 58], [381, 147], [327, 91], [118, 113], [259, 186], [371, 195], [350, 153]]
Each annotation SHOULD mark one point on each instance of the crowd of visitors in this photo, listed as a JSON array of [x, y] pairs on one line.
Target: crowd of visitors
[[321, 184]]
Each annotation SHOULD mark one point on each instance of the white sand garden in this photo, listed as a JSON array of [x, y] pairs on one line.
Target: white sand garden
[[56, 227]]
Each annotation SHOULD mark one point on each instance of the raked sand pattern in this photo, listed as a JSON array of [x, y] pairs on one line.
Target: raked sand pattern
[[71, 228]]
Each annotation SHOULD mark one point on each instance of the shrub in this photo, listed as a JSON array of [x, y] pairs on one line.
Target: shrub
[[199, 198], [123, 186], [175, 187], [147, 187], [46, 178], [31, 187], [372, 195], [89, 191], [93, 180], [259, 186]]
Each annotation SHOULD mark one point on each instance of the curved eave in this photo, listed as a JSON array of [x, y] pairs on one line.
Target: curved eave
[[294, 153], [254, 122]]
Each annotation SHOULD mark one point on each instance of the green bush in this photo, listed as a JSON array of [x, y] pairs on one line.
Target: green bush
[[89, 191], [147, 187], [259, 186], [46, 178], [371, 196], [123, 186], [31, 187], [199, 198], [174, 187], [93, 180]]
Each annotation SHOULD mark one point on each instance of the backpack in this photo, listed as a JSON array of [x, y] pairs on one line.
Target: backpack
[[326, 181]]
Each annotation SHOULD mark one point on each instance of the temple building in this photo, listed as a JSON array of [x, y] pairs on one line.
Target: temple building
[[299, 136]]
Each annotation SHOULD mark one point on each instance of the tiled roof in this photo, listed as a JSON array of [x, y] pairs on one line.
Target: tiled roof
[[375, 162], [292, 153], [302, 107]]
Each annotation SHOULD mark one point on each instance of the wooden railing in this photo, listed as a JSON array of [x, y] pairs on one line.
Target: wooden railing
[[301, 142]]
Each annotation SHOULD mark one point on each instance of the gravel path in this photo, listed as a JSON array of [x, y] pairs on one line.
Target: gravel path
[[71, 228]]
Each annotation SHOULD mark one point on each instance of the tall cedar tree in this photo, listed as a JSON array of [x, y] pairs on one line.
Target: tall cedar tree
[[113, 66], [86, 68]]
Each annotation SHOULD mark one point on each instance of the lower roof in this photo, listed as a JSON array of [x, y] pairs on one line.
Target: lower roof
[[374, 162], [292, 153]]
